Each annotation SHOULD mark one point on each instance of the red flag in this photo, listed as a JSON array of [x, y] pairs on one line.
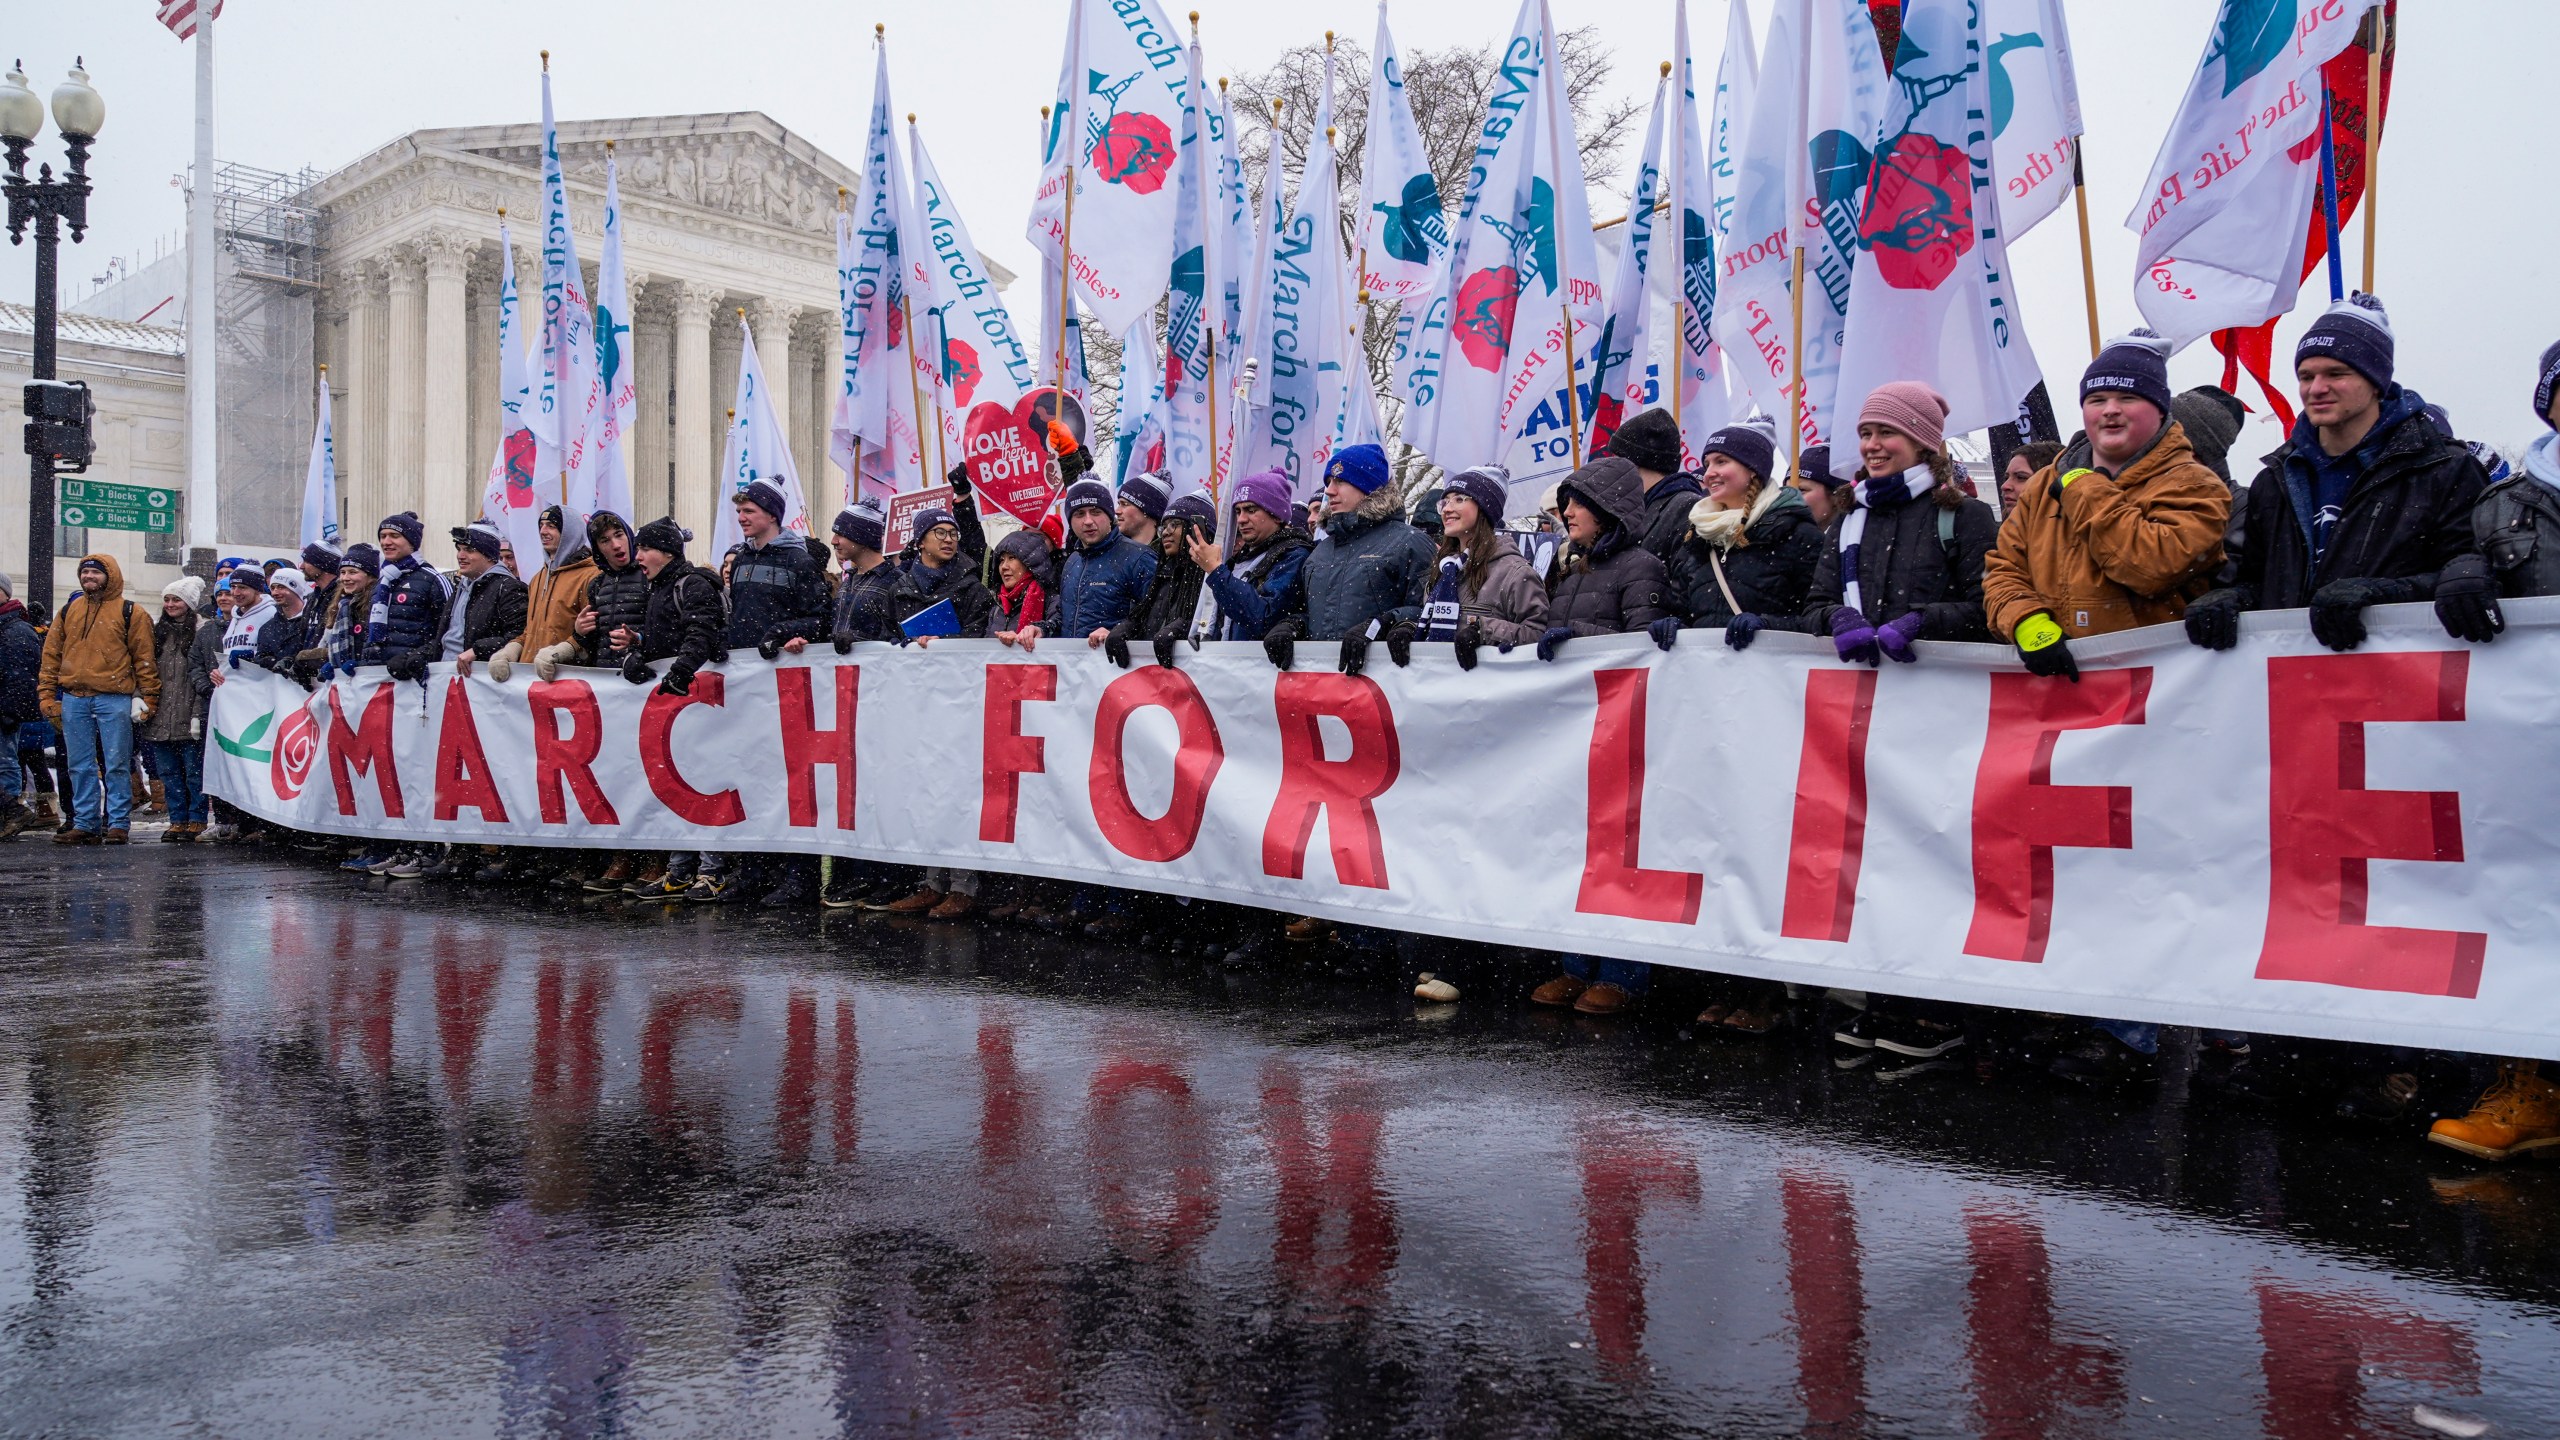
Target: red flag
[[2253, 349], [180, 16]]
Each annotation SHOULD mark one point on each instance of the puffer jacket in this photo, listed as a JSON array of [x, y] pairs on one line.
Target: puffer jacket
[[2405, 517], [172, 642], [21, 660], [1103, 583], [99, 645], [408, 613], [493, 611], [2509, 521], [1770, 569], [1666, 514], [686, 620], [1369, 565], [775, 593], [1617, 586], [204, 657], [620, 598], [281, 643], [553, 598], [1261, 586], [2112, 554], [1904, 566], [866, 605]]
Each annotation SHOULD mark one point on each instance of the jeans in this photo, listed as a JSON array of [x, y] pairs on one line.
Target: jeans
[[96, 729], [952, 882], [1631, 976], [181, 765], [13, 780]]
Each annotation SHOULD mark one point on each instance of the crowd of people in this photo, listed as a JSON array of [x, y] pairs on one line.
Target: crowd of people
[[2136, 521]]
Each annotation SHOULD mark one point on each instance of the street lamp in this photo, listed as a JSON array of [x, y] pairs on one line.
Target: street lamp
[[58, 421]]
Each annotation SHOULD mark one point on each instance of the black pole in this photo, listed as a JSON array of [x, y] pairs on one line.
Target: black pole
[[45, 203]]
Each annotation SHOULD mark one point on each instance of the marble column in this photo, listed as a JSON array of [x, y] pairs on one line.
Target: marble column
[[795, 383], [693, 432], [725, 345], [773, 320], [405, 353], [481, 343], [447, 492], [359, 421], [826, 482], [652, 341]]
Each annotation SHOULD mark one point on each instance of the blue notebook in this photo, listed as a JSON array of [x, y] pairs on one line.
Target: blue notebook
[[936, 619]]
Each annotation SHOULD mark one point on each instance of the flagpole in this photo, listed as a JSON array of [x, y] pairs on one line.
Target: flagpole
[[2088, 260], [1208, 331], [202, 377], [2329, 197], [942, 355], [1555, 157], [1072, 136], [1679, 203], [2373, 133], [1795, 367]]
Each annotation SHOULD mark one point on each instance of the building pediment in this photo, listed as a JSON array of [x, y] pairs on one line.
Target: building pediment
[[743, 166]]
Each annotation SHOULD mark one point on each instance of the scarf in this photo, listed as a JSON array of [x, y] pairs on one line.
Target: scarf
[[1723, 529], [1885, 490], [1440, 616], [343, 639], [1024, 600], [381, 611]]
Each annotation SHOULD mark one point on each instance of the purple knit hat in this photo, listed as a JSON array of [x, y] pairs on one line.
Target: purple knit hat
[[1268, 492]]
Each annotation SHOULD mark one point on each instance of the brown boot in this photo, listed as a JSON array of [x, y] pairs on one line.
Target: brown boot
[[75, 837], [157, 803], [615, 876], [1603, 999], [953, 906], [1562, 990], [915, 904], [1307, 929], [112, 837]]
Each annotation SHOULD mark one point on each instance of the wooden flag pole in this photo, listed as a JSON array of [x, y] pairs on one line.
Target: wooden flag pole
[[1795, 366], [907, 311], [2373, 136], [2088, 260]]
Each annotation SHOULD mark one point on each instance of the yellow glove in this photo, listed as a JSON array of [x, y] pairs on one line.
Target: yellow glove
[[2038, 632]]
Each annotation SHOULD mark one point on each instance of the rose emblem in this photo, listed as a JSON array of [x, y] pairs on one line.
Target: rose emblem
[[297, 745], [1919, 215], [1482, 320], [520, 447], [1136, 151], [960, 369]]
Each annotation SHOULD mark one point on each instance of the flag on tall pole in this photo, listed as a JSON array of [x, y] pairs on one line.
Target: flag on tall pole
[[320, 479], [1239, 434], [1139, 424], [1700, 172], [1113, 140], [1312, 362], [757, 448], [983, 360], [2034, 109], [1195, 305], [1932, 298], [616, 369], [567, 392], [876, 409], [2225, 219], [181, 16], [519, 484], [1623, 349], [1404, 234], [1234, 221]]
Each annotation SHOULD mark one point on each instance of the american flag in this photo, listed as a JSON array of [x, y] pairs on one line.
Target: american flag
[[180, 16]]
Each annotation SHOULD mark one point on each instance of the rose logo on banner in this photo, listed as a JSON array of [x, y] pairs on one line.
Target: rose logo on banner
[[1918, 220], [297, 747], [1487, 301], [1132, 150]]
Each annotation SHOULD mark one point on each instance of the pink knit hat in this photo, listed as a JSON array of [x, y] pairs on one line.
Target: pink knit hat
[[1912, 408]]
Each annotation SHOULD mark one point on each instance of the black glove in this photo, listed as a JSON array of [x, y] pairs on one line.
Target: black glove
[[1553, 640], [407, 665], [1470, 640], [1741, 630], [1665, 631], [1399, 638], [844, 644], [770, 647], [1115, 646], [636, 670], [2044, 649], [1164, 649], [959, 482], [1355, 652], [1280, 642], [2337, 608], [2467, 601], [679, 680], [2213, 620]]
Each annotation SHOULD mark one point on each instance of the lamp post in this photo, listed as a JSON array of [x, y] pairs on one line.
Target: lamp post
[[47, 204]]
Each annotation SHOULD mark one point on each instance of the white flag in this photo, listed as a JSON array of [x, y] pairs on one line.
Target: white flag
[[1819, 102], [2227, 212], [616, 368], [1622, 350], [1404, 234], [1235, 219], [1195, 303], [320, 481], [1933, 299], [567, 393], [1312, 361], [2035, 109], [1139, 426], [520, 484], [1113, 136], [1700, 172], [757, 449], [877, 406], [961, 313], [1249, 395]]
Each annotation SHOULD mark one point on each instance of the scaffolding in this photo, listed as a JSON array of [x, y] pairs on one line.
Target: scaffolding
[[267, 278]]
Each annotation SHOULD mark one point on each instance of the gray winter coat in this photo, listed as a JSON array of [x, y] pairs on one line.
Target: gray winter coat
[[1508, 604], [1370, 565], [179, 703], [1618, 586]]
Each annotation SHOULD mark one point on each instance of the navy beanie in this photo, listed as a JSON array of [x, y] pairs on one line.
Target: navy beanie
[[480, 536], [929, 517], [319, 556], [1487, 485], [863, 523], [2356, 332], [2549, 383], [1753, 445], [1149, 492], [1650, 440], [408, 525], [247, 577], [363, 557], [1362, 467], [762, 496], [663, 535], [2136, 364], [1194, 510], [1088, 492]]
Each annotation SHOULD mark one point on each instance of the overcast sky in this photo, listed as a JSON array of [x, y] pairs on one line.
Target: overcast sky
[[2465, 265]]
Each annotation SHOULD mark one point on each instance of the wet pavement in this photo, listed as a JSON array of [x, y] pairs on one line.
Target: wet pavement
[[286, 1151]]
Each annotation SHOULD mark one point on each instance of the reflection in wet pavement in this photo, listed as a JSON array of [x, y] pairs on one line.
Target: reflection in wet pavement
[[287, 1153]]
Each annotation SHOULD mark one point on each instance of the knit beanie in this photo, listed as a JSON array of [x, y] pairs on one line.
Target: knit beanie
[[2549, 382], [663, 535], [762, 496], [247, 577], [1815, 462], [2211, 417], [319, 556], [408, 526], [1487, 485], [479, 535], [2356, 332], [1753, 442], [929, 517], [1088, 493], [291, 582], [1149, 492], [1028, 546], [363, 557], [1362, 467], [2136, 363], [1912, 408], [186, 587], [1194, 510], [1650, 440], [1266, 491], [863, 523]]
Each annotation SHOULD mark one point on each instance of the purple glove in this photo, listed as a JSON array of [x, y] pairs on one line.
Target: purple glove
[[1895, 638], [1853, 637]]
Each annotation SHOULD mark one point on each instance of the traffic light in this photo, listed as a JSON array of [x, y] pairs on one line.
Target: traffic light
[[59, 416]]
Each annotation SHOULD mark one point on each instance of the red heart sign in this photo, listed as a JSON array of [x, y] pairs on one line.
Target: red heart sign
[[1008, 464]]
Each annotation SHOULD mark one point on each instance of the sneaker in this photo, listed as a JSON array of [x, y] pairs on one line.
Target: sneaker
[[2517, 1115], [1857, 1031], [411, 867], [615, 876], [385, 864], [845, 892], [1435, 990], [648, 878], [360, 863], [1918, 1038], [2102, 1059], [795, 889], [1307, 929], [1602, 999], [1901, 1067], [954, 906], [498, 871], [711, 890], [915, 904], [670, 887], [1561, 991]]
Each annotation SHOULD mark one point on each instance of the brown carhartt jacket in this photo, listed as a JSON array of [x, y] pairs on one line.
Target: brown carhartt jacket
[[2112, 554]]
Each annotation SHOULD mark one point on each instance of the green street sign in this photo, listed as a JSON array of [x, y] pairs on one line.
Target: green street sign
[[97, 505]]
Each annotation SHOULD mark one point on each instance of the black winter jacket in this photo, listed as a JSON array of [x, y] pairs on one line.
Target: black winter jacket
[[1173, 597], [866, 605], [409, 600], [21, 657], [620, 599], [686, 620], [1770, 572], [492, 615], [775, 593], [957, 582], [1903, 566], [2405, 517], [1369, 565], [1666, 514], [2508, 524], [1619, 585]]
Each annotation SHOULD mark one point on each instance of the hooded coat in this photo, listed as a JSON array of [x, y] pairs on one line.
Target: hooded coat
[[21, 660], [1507, 603], [1369, 565], [1770, 569], [494, 608], [2111, 554], [2405, 516], [1906, 564], [1616, 585], [2509, 521], [99, 645], [557, 592], [620, 597]]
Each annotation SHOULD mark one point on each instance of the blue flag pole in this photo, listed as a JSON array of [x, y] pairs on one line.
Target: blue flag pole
[[2329, 200]]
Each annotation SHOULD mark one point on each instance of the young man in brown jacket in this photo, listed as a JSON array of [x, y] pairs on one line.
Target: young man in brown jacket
[[98, 679], [2120, 532]]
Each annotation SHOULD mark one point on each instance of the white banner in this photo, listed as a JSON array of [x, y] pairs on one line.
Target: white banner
[[2277, 839]]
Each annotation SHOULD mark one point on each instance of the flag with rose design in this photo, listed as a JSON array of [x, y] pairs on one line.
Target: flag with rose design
[[519, 485], [1622, 350], [1195, 302], [1932, 298], [1404, 234], [877, 408], [1114, 135]]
